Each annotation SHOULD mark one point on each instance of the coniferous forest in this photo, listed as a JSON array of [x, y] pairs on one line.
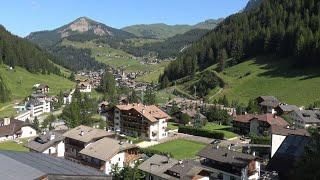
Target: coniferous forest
[[15, 51], [281, 28]]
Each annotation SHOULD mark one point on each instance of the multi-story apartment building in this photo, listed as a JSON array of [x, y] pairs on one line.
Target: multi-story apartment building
[[38, 107], [147, 122]]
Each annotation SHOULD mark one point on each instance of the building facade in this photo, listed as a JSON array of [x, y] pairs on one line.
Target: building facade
[[147, 122]]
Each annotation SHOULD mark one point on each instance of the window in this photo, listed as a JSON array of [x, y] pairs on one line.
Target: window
[[119, 159]]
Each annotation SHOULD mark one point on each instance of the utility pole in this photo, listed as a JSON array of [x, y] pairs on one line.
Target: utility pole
[[195, 91], [142, 94]]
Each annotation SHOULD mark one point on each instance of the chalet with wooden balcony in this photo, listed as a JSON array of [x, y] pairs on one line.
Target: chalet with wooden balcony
[[147, 122], [107, 152], [79, 138]]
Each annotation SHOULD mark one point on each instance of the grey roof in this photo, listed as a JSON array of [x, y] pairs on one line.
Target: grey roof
[[288, 107], [106, 148], [226, 156], [165, 167], [287, 130], [27, 165], [89, 133], [288, 153], [34, 102], [158, 165], [43, 142], [269, 101], [308, 116]]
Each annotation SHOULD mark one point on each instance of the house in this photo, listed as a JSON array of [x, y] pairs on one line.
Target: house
[[67, 97], [268, 104], [160, 167], [287, 155], [230, 164], [51, 143], [42, 88], [194, 116], [258, 124], [107, 152], [279, 134], [84, 87], [305, 118], [30, 165], [11, 129], [261, 124], [80, 137], [147, 122], [241, 123], [38, 107], [284, 109]]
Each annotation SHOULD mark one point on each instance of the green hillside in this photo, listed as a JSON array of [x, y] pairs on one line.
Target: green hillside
[[263, 76], [157, 31], [20, 82]]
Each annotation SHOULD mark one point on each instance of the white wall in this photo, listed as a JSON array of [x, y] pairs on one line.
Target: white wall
[[276, 141], [59, 149], [24, 116], [118, 158], [28, 131]]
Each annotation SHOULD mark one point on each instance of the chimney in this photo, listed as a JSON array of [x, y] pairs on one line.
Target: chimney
[[52, 136], [229, 147], [6, 121], [81, 133], [254, 153]]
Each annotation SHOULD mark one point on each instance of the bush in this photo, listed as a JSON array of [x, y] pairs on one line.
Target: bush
[[256, 139], [151, 152], [200, 132]]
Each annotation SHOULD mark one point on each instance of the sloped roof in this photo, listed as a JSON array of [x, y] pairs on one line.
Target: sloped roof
[[272, 119], [285, 131], [12, 128], [226, 156], [105, 148], [43, 142], [152, 112], [89, 133], [28, 165], [244, 118]]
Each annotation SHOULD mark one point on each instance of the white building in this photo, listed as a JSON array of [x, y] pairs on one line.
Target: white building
[[51, 143], [84, 87], [23, 116], [279, 134], [147, 122], [38, 107], [97, 155], [67, 97], [11, 129]]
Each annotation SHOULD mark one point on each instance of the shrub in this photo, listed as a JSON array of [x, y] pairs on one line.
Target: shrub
[[256, 139], [151, 152], [200, 132]]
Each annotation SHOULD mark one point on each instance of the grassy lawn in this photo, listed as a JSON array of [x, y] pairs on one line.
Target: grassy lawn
[[180, 149], [173, 125], [13, 146], [220, 128], [163, 97], [256, 77]]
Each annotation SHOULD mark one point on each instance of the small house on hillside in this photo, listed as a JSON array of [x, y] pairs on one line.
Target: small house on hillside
[[84, 87], [268, 103], [258, 124], [43, 88], [11, 129], [51, 143]]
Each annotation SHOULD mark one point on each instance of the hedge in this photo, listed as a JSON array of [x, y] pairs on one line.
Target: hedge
[[151, 152], [200, 132]]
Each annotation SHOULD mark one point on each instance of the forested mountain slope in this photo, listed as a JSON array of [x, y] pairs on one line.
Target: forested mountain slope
[[15, 51], [281, 28]]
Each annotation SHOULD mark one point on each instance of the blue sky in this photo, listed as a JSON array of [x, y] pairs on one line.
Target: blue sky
[[24, 16]]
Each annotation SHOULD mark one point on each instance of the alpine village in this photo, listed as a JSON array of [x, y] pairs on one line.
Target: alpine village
[[233, 98]]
